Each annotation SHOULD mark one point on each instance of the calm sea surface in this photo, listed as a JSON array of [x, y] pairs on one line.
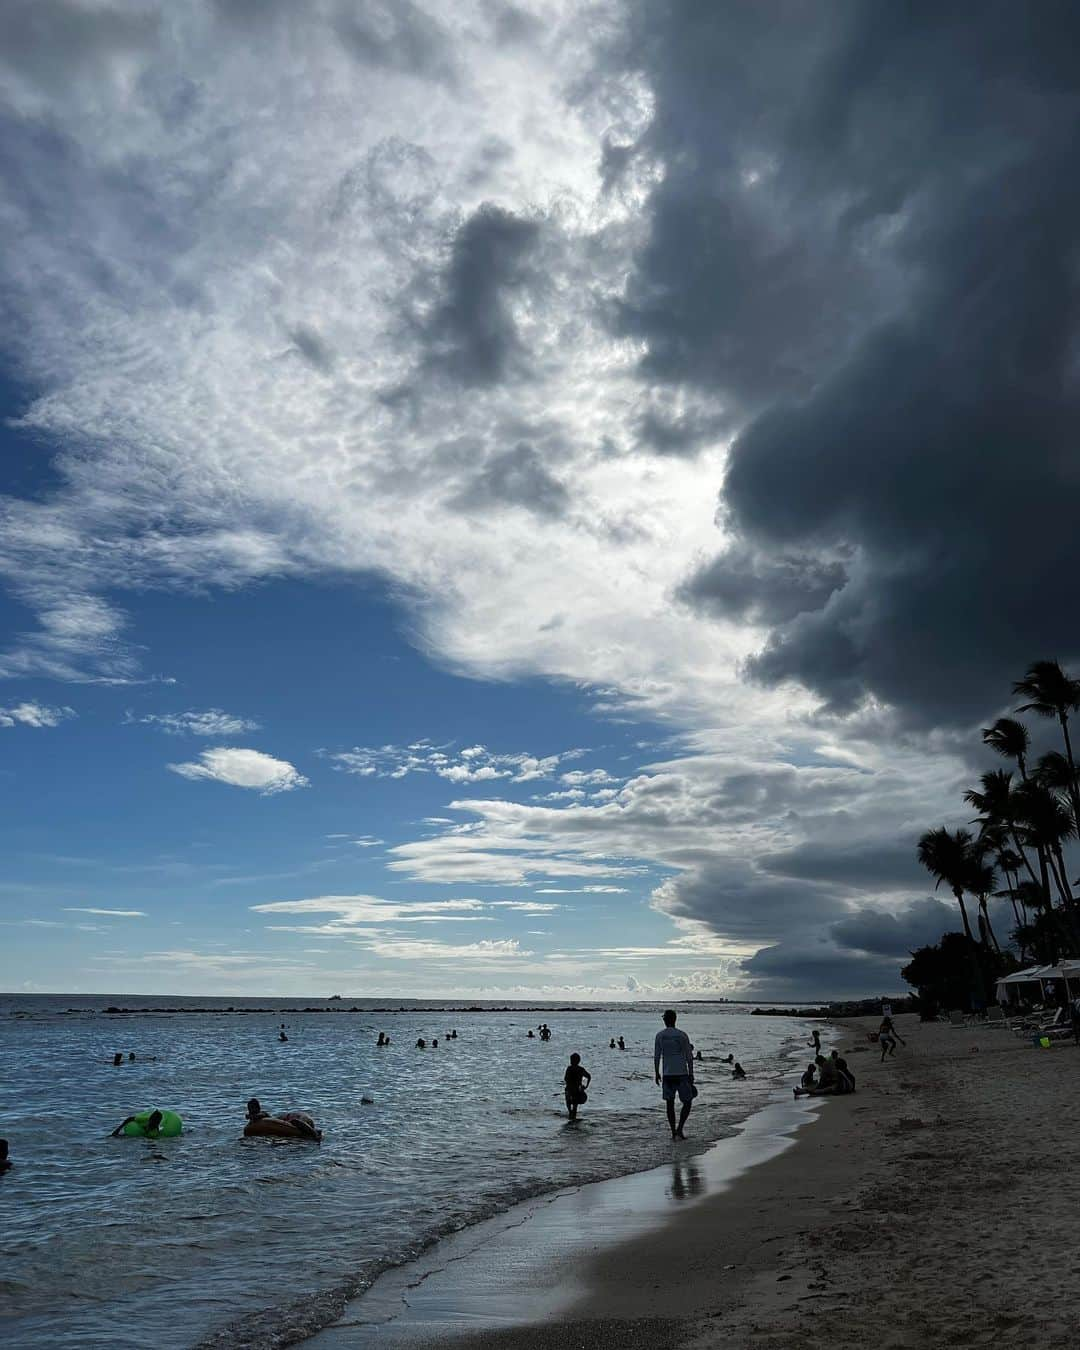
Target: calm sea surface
[[215, 1240]]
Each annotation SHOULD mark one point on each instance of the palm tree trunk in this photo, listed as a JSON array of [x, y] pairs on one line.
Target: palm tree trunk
[[1057, 862], [1074, 792], [989, 926], [1020, 849], [963, 913]]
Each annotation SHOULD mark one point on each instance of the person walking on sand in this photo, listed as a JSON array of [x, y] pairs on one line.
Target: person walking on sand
[[673, 1053], [577, 1078], [887, 1038]]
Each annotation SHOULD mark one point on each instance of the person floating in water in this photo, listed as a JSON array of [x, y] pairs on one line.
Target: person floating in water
[[622, 1044], [153, 1122], [738, 1072], [698, 1056], [421, 1044], [530, 1035], [300, 1121], [435, 1043], [728, 1059], [672, 1050], [577, 1078]]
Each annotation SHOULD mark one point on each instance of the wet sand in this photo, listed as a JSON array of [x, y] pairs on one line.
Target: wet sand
[[935, 1207]]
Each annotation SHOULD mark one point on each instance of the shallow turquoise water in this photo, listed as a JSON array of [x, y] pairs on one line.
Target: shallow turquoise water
[[214, 1239]]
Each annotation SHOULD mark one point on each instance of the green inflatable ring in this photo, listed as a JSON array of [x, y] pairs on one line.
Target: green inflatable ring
[[171, 1125]]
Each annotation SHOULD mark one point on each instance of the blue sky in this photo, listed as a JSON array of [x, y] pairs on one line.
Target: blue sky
[[538, 440]]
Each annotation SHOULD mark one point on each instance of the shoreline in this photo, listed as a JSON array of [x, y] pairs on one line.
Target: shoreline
[[527, 1265], [935, 1207]]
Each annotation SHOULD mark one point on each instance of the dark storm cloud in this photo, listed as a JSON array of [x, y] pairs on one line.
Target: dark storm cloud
[[396, 34], [865, 239], [473, 334], [878, 864], [819, 971], [52, 41], [898, 932], [764, 588], [514, 477], [732, 898]]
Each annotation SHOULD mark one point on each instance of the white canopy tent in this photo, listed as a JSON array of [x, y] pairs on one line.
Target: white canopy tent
[[1040, 975]]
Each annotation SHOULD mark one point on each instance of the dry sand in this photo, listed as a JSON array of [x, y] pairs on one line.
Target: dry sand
[[936, 1207]]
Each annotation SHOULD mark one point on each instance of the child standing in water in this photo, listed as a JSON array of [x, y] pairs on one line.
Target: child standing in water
[[577, 1078]]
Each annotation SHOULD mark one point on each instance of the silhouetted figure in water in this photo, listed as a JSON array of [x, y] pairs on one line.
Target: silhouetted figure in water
[[117, 1059], [612, 1045], [530, 1035], [672, 1050], [738, 1073], [5, 1161], [622, 1044], [577, 1078], [421, 1044]]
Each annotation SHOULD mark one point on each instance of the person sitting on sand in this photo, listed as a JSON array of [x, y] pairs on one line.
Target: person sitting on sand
[[299, 1120], [845, 1076], [152, 1123], [673, 1050], [738, 1072], [807, 1080], [577, 1078]]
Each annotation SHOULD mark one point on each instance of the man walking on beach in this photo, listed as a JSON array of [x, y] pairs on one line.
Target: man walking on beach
[[675, 1055]]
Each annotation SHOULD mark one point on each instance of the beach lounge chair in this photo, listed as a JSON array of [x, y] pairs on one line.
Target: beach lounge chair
[[995, 1017], [956, 1018]]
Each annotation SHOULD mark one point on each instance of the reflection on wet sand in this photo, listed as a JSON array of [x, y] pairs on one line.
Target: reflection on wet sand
[[687, 1180]]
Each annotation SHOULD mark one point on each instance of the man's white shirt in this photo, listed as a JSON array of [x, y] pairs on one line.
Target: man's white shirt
[[674, 1051]]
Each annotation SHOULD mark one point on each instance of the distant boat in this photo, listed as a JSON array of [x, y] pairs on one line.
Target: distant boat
[[333, 997]]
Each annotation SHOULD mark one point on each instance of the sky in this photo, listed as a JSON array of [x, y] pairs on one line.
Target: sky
[[512, 501]]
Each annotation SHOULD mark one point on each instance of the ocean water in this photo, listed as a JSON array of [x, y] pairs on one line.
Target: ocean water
[[213, 1240]]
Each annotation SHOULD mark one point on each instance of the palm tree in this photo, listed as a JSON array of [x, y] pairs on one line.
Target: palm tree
[[1046, 821], [1009, 738], [1052, 693], [995, 806], [946, 855]]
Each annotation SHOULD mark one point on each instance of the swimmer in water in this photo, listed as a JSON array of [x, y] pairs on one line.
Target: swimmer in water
[[421, 1044], [577, 1078], [5, 1161], [299, 1120], [117, 1059], [152, 1123], [622, 1044], [529, 1035], [612, 1044], [738, 1072]]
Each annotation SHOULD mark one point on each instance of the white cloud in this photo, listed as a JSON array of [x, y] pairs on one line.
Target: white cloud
[[474, 764], [245, 769], [115, 913], [32, 714], [211, 722]]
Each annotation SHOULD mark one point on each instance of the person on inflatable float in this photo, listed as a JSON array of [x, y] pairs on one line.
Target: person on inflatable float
[[288, 1125], [150, 1125]]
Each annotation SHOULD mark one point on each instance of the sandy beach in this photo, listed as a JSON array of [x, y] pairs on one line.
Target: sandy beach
[[936, 1207]]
